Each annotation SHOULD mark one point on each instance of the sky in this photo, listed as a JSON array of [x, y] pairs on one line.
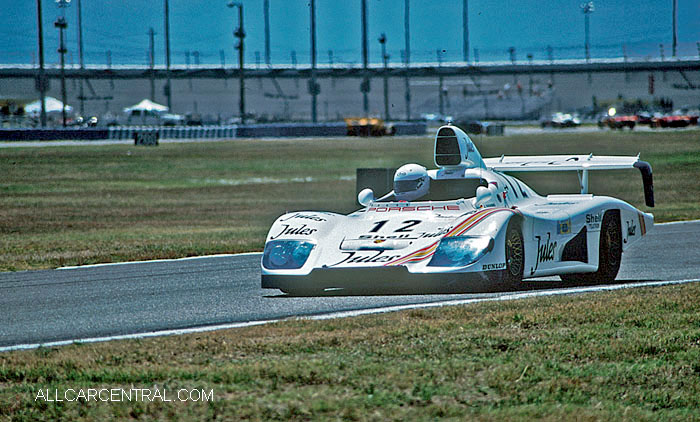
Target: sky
[[206, 26]]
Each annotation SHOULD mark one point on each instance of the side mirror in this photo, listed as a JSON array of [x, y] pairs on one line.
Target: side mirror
[[365, 197], [496, 194], [485, 197]]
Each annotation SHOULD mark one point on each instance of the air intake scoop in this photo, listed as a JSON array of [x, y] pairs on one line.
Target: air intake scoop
[[454, 149]]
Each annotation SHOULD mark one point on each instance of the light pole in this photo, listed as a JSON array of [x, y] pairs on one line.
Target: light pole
[[41, 81], [385, 58], [465, 29], [365, 86], [675, 29], [550, 57], [151, 61], [61, 24], [587, 9], [440, 83], [407, 55], [240, 34], [168, 91], [624, 60], [511, 53], [529, 59], [80, 57], [266, 17], [330, 64], [314, 88]]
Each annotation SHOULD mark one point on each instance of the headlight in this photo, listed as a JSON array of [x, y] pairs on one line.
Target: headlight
[[460, 251], [286, 254]]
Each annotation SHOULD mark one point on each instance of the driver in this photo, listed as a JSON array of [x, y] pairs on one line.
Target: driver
[[411, 181]]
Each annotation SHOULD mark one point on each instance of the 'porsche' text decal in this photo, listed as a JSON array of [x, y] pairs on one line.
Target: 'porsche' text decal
[[415, 208]]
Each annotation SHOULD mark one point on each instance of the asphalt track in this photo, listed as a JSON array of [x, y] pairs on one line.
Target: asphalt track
[[134, 299]]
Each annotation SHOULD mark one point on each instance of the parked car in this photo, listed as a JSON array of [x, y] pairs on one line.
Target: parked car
[[561, 120], [478, 127], [618, 122], [674, 121], [169, 119], [435, 117], [644, 118], [368, 126]]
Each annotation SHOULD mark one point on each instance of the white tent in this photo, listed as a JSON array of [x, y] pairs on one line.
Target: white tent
[[52, 105], [145, 105]]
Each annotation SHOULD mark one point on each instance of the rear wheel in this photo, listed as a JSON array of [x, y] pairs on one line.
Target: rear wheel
[[515, 254], [609, 253]]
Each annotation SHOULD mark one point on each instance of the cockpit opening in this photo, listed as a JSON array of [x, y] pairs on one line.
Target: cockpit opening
[[446, 190]]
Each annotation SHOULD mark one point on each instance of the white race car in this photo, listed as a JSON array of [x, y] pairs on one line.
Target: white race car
[[464, 226]]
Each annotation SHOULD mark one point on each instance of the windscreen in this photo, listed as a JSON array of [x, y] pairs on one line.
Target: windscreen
[[448, 189]]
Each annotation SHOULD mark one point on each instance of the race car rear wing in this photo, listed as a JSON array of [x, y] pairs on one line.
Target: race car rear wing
[[579, 163]]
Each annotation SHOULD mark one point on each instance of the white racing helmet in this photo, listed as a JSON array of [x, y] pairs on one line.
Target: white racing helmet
[[411, 181]]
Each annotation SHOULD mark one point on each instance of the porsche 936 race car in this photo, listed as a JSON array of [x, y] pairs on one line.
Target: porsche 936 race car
[[466, 225]]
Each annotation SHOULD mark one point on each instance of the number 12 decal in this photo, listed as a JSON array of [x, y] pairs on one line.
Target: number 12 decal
[[406, 228], [378, 225], [408, 225]]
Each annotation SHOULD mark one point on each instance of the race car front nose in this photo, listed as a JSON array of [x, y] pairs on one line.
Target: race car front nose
[[460, 251]]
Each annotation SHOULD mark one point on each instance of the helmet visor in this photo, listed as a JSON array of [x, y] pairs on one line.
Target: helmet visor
[[401, 186]]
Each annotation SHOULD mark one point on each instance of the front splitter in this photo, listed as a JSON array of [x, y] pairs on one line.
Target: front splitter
[[383, 281]]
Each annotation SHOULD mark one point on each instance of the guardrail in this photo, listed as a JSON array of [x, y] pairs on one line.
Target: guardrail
[[274, 130], [268, 130], [280, 130], [175, 132], [58, 134]]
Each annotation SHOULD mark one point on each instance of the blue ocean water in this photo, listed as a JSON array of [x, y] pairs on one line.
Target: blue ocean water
[[201, 31]]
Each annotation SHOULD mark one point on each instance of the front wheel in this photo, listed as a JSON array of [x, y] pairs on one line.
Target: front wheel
[[515, 255], [609, 253]]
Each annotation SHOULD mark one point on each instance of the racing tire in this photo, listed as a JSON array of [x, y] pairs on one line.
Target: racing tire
[[609, 253], [515, 255]]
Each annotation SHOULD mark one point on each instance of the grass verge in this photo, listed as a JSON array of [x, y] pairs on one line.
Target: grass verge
[[88, 204], [625, 355]]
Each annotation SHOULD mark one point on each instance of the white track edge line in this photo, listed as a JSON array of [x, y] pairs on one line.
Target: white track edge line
[[73, 267], [670, 223], [354, 313], [149, 261]]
